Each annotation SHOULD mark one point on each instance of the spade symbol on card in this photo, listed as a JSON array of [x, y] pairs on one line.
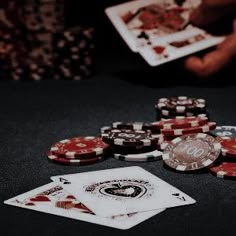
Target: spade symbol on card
[[127, 191], [64, 181], [144, 36], [179, 196]]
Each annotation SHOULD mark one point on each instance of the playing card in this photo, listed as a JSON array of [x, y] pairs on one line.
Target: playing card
[[160, 29], [182, 45], [122, 191], [53, 199]]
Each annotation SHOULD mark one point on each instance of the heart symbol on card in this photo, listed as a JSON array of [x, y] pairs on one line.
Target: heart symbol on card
[[40, 198], [126, 191]]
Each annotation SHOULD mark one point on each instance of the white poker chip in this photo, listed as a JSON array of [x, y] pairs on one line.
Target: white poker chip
[[142, 157]]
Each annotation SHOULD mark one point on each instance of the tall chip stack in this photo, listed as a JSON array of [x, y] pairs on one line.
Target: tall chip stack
[[73, 53], [26, 36], [42, 20], [12, 35]]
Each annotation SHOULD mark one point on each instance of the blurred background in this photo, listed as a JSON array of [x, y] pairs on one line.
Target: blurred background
[[71, 40], [57, 39]]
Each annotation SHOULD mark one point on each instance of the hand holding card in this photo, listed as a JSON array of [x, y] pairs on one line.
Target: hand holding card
[[159, 30]]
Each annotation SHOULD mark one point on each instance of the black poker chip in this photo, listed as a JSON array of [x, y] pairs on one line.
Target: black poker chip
[[130, 137], [181, 104]]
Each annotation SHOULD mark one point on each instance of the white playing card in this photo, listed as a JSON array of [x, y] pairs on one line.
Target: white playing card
[[122, 191], [53, 199], [160, 29], [170, 49]]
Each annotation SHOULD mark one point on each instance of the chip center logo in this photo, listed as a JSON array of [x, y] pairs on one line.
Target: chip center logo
[[130, 191], [121, 189], [224, 133], [81, 145]]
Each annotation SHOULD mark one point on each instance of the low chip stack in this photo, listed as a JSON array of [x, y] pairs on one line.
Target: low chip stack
[[226, 167], [181, 125], [134, 144], [78, 151], [180, 106]]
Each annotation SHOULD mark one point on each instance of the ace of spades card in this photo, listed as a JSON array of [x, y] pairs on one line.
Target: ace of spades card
[[122, 191]]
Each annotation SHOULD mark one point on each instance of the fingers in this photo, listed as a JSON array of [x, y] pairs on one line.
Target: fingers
[[214, 61], [211, 10], [218, 3]]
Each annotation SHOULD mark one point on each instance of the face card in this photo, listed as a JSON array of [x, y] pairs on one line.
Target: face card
[[53, 199], [160, 29], [122, 191], [170, 49]]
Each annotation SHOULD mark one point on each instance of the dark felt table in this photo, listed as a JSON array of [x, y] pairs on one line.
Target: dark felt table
[[35, 115]]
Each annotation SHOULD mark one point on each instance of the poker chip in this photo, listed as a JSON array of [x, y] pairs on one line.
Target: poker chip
[[131, 149], [105, 129], [191, 152], [79, 147], [226, 170], [125, 137], [228, 148], [181, 122], [163, 142], [225, 131], [77, 162], [142, 157], [199, 129], [220, 139], [163, 146], [132, 126], [181, 104], [167, 113]]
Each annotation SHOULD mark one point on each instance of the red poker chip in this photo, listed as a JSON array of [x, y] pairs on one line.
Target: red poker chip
[[73, 162], [181, 122], [199, 129], [229, 147], [226, 170], [191, 152], [79, 147]]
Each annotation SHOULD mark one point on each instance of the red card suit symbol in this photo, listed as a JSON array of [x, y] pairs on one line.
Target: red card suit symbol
[[40, 199]]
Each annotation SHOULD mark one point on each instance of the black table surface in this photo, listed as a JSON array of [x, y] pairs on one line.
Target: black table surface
[[35, 115]]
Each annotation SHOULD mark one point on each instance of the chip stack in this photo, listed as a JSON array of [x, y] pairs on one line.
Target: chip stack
[[180, 106], [136, 144], [73, 53], [12, 37], [78, 151], [226, 167], [42, 19], [181, 125]]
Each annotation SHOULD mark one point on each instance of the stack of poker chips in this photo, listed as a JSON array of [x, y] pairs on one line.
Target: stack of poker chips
[[12, 38], [132, 142], [73, 53], [226, 166], [179, 106], [42, 19], [181, 125], [78, 151]]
